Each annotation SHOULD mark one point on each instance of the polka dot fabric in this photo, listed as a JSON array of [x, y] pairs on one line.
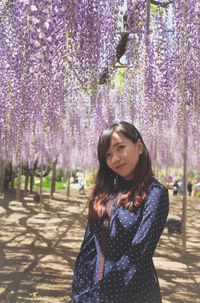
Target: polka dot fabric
[[129, 273]]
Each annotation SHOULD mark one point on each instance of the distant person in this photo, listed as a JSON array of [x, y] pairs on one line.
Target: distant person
[[78, 174], [189, 188], [127, 213], [175, 188], [180, 187], [81, 182]]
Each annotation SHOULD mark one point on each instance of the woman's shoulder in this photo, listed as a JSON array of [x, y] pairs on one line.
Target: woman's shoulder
[[156, 186], [157, 197]]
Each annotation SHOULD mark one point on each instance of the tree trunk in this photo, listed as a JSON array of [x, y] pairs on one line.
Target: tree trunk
[[31, 182], [184, 209], [13, 178], [41, 179], [68, 182], [148, 15], [26, 183], [65, 174], [158, 172], [94, 174], [53, 179], [166, 170], [19, 173], [2, 176]]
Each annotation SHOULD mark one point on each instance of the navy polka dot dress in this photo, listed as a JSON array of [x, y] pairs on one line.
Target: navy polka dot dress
[[129, 274]]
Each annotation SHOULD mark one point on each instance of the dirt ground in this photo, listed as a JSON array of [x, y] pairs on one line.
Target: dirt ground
[[39, 244]]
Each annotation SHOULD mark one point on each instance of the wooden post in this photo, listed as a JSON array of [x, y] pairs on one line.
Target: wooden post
[[53, 179]]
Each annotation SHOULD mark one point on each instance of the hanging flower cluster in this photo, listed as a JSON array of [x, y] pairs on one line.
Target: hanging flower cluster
[[186, 19]]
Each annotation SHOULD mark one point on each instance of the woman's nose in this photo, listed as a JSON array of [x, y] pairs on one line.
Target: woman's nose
[[115, 158]]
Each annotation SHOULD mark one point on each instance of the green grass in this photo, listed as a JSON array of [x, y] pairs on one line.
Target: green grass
[[60, 185], [21, 181], [46, 184]]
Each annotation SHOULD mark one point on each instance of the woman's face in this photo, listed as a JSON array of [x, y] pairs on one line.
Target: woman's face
[[123, 155]]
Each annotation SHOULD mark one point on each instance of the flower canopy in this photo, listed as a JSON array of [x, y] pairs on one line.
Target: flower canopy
[[52, 55]]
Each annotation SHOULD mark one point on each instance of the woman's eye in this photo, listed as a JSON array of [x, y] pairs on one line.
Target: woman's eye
[[121, 146], [108, 155]]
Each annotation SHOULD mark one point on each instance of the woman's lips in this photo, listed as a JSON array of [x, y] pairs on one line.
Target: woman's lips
[[120, 166]]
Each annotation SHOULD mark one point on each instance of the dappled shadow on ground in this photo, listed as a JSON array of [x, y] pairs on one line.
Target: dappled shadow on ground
[[39, 244], [179, 273]]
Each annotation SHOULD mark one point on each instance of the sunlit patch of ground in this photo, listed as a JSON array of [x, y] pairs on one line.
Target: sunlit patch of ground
[[180, 274], [39, 244]]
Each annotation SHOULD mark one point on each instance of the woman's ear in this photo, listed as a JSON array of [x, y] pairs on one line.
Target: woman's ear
[[140, 146]]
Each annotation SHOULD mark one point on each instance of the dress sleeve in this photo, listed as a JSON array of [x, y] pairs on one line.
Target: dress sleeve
[[85, 264], [142, 247]]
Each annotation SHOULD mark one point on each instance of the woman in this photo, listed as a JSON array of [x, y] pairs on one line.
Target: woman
[[127, 213]]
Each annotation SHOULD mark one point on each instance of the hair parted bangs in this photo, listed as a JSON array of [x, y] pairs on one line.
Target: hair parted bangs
[[109, 184], [125, 128]]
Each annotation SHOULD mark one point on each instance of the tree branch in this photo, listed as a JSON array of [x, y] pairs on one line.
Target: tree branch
[[162, 4]]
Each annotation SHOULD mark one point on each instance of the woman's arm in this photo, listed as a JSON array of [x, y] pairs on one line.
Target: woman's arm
[[85, 263], [143, 245]]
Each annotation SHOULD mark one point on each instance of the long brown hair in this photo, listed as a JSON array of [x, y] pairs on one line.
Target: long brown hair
[[108, 183]]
